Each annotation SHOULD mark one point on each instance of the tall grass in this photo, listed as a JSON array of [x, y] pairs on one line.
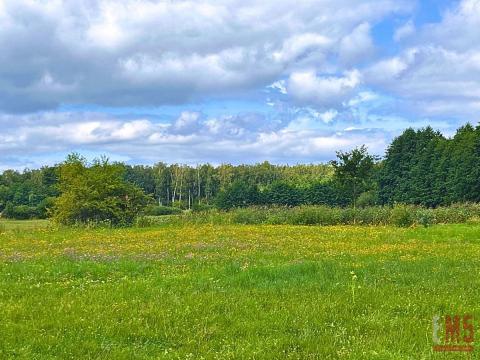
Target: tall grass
[[398, 215]]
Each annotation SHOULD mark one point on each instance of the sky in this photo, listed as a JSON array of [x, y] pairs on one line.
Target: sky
[[238, 81]]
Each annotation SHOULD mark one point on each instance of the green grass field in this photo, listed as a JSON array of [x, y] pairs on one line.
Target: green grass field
[[21, 225], [224, 292]]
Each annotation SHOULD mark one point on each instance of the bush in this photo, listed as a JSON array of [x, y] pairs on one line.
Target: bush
[[307, 215], [238, 194], [202, 207], [474, 220], [96, 194], [324, 194], [149, 221], [249, 216], [282, 194], [182, 205], [158, 210], [402, 215], [45, 207], [399, 215], [374, 215], [368, 198], [20, 212], [425, 217]]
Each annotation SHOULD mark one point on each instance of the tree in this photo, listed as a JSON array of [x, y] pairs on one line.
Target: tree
[[324, 194], [394, 175], [96, 193], [354, 171], [464, 174], [422, 180], [280, 193], [238, 194]]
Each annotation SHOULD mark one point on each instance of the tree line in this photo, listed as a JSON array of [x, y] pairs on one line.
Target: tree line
[[420, 167]]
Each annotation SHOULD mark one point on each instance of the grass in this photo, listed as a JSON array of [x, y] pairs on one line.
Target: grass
[[399, 215], [233, 291], [8, 224]]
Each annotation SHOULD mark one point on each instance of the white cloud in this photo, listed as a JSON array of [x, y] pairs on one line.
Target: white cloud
[[299, 47], [404, 31], [323, 91], [362, 97], [153, 52], [438, 73], [188, 122], [191, 138], [316, 56], [279, 86], [357, 45]]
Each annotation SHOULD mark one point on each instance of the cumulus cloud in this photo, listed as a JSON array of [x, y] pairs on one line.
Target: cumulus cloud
[[191, 138], [187, 123], [357, 45], [438, 73], [323, 91], [144, 52], [404, 31], [316, 63]]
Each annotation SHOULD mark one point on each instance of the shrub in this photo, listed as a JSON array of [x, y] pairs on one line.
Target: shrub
[[324, 194], [238, 194], [402, 215], [20, 212], [475, 220], [424, 217], [281, 193], [45, 207], [249, 216], [96, 194], [202, 207], [158, 210], [368, 198], [374, 215], [182, 205], [148, 221], [306, 215], [277, 216]]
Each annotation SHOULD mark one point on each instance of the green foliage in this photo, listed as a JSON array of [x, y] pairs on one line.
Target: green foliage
[[199, 207], [402, 215], [45, 207], [354, 172], [178, 204], [249, 216], [367, 198], [144, 221], [238, 194], [399, 215], [280, 193], [156, 210], [28, 194], [425, 217], [20, 212], [96, 194], [328, 193], [421, 167]]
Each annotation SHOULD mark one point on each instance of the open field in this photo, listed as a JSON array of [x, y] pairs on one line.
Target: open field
[[8, 224], [232, 291]]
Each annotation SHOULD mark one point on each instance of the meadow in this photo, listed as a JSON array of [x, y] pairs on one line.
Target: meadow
[[233, 291]]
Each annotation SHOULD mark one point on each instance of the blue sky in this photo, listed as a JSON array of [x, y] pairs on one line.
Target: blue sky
[[230, 81]]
